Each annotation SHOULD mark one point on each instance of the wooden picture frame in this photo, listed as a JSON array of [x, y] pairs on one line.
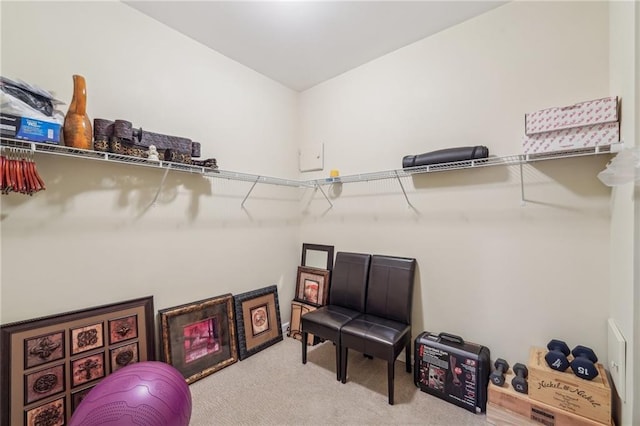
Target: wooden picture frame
[[199, 338], [317, 256], [258, 323], [298, 309], [312, 286], [39, 356]]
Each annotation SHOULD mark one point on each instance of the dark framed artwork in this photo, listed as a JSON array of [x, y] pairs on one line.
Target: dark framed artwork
[[123, 356], [258, 322], [87, 369], [317, 256], [199, 338], [43, 349], [312, 286], [78, 396], [46, 361], [50, 414], [121, 329], [43, 383], [86, 338]]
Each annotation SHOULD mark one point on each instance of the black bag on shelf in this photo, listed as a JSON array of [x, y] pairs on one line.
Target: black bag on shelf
[[448, 155]]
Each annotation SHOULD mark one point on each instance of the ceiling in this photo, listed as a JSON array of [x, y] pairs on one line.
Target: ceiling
[[303, 43]]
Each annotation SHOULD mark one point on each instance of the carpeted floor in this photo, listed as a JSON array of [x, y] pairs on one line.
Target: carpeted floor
[[273, 387]]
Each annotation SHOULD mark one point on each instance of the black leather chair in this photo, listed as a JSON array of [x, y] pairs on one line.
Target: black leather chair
[[346, 302], [385, 329]]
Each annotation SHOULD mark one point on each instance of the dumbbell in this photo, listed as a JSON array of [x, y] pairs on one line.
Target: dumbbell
[[519, 382], [557, 356], [497, 376], [584, 362]]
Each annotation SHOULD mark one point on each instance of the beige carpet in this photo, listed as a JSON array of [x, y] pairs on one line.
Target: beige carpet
[[273, 387]]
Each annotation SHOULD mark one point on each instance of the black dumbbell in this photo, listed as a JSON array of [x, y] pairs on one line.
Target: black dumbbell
[[497, 376], [557, 356], [584, 362], [519, 382]]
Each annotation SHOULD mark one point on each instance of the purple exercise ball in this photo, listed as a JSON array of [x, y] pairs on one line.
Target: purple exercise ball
[[148, 393]]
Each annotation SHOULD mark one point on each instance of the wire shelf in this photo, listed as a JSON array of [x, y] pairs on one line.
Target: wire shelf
[[65, 151], [508, 160]]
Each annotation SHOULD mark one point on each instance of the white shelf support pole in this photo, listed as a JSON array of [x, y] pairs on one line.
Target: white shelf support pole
[[164, 177], [325, 195], [403, 191], [250, 189], [522, 200]]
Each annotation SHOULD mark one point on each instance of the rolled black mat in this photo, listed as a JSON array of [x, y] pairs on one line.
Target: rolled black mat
[[446, 156]]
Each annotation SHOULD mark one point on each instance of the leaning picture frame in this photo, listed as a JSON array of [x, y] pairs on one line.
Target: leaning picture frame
[[258, 322], [199, 338], [312, 286], [317, 256], [46, 361]]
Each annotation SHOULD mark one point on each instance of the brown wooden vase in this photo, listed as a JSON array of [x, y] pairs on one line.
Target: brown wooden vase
[[77, 125]]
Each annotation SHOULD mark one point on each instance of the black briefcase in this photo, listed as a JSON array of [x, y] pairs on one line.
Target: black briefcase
[[450, 368]]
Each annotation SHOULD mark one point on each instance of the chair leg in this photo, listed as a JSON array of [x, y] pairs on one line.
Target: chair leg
[[304, 347], [343, 368], [338, 361], [390, 374], [407, 354]]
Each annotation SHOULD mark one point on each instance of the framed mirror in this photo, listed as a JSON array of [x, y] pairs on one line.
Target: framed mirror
[[317, 256]]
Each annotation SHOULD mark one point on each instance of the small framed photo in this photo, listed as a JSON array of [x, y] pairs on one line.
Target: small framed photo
[[258, 322], [123, 356], [78, 396], [312, 286], [87, 369], [50, 414], [43, 383], [121, 329], [87, 338], [199, 338], [43, 349]]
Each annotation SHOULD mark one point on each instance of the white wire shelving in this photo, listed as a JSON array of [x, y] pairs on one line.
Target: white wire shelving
[[509, 160]]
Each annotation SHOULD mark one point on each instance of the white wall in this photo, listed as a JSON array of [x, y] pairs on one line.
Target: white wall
[[91, 237], [497, 273], [493, 271], [623, 305]]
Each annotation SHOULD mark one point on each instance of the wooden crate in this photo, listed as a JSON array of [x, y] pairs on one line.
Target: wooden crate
[[505, 406], [565, 390]]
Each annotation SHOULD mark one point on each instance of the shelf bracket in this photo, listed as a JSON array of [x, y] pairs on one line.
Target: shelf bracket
[[250, 189], [164, 178], [325, 195], [522, 200], [403, 191]]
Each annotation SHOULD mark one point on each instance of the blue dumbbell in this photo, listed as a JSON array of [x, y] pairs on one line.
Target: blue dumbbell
[[557, 356], [584, 362]]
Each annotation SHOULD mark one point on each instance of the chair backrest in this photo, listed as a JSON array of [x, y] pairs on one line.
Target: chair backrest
[[390, 289], [349, 280]]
